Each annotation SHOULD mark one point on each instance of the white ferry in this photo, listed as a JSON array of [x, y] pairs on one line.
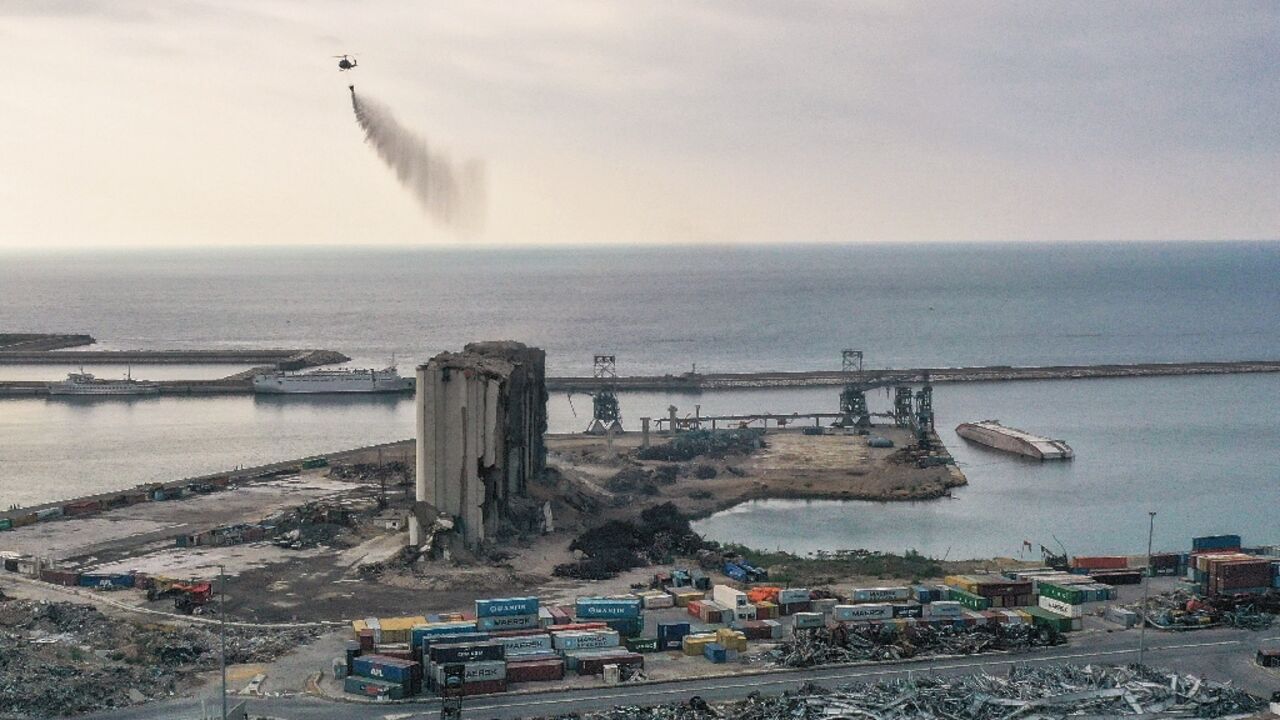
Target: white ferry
[[316, 382], [992, 434], [83, 383]]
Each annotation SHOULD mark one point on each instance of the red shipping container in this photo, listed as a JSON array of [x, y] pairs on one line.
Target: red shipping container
[[366, 640], [484, 687], [793, 608], [581, 626], [535, 670], [1101, 562], [694, 608], [81, 508], [60, 577], [595, 665]]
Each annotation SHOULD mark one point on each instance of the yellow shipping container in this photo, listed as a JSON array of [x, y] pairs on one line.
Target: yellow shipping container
[[693, 644], [389, 630], [683, 598], [964, 582]]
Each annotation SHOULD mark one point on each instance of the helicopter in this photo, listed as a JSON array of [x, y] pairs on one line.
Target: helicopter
[[345, 63]]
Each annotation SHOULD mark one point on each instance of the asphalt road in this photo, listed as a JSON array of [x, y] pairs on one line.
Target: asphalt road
[[1218, 654]]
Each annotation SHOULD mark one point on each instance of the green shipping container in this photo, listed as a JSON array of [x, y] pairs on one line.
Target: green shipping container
[[1067, 595], [641, 645], [969, 600], [1042, 617], [313, 463], [6, 524]]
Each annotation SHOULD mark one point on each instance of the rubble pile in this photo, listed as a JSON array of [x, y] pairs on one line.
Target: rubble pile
[[840, 644], [63, 658], [707, 443], [620, 545], [1182, 609], [1039, 692]]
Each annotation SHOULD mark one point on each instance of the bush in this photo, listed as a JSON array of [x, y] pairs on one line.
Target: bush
[[704, 472], [713, 444]]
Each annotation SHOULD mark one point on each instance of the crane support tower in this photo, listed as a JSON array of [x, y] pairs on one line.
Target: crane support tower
[[853, 398], [605, 414], [924, 414], [902, 407]]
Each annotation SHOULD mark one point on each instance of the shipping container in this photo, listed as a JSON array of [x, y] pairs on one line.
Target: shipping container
[[693, 644], [469, 652], [1100, 562], [499, 607], [1121, 616], [496, 623], [1069, 595], [1215, 542], [6, 524], [1042, 617], [862, 613], [629, 627], [641, 644], [585, 639], [881, 594], [945, 609], [607, 608], [595, 665], [1117, 577], [796, 607], [907, 610], [809, 620], [370, 687], [728, 597], [715, 652], [382, 667], [970, 600], [60, 577], [792, 596], [1060, 607], [535, 670], [81, 508], [823, 605], [670, 634], [105, 581], [657, 601], [517, 645], [474, 672], [682, 597], [51, 513]]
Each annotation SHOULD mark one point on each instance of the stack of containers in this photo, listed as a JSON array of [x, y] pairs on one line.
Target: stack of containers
[[624, 614], [497, 614], [380, 676], [484, 665], [1067, 602], [793, 600], [421, 636], [695, 644], [1229, 576], [999, 591], [389, 630]]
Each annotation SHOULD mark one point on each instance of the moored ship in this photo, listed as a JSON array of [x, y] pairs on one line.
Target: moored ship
[[83, 383], [992, 434], [317, 382]]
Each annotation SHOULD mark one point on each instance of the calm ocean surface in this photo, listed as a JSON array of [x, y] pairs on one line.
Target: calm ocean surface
[[1203, 451]]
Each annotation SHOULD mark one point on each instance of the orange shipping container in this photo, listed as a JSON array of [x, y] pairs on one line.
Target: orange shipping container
[[761, 594], [1101, 562]]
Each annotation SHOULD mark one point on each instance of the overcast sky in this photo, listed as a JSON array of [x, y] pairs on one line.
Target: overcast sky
[[165, 122]]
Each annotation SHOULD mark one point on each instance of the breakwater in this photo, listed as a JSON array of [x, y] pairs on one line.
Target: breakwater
[[699, 382]]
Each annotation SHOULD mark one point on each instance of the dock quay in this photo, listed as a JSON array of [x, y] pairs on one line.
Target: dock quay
[[289, 359]]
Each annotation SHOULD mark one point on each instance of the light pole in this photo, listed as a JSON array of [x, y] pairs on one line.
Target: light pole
[[1146, 592], [222, 632]]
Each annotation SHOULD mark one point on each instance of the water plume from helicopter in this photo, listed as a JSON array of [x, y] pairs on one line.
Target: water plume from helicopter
[[451, 193]]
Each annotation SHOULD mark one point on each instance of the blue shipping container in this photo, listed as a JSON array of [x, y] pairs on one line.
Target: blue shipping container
[[1215, 542], [499, 607], [497, 623], [607, 608], [629, 627], [715, 652], [105, 581], [387, 668], [425, 642], [735, 572]]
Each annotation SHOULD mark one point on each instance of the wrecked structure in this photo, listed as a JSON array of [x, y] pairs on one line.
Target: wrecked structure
[[481, 417]]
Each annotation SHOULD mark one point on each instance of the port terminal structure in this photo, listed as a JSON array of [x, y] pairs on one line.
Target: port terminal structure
[[240, 383]]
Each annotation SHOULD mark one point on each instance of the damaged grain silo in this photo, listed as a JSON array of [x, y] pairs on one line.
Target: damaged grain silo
[[482, 414]]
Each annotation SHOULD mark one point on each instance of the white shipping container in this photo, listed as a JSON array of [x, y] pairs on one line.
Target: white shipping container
[[728, 597], [786, 596], [805, 620], [824, 606], [859, 613], [880, 594], [585, 639], [476, 671], [945, 609], [656, 601], [745, 613], [508, 622], [525, 644], [1061, 608]]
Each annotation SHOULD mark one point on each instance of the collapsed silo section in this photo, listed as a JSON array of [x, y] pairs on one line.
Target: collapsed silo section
[[481, 416]]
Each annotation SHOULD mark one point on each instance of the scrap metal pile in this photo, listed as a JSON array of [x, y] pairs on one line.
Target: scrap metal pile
[[60, 658], [1037, 692], [1183, 610], [850, 644]]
